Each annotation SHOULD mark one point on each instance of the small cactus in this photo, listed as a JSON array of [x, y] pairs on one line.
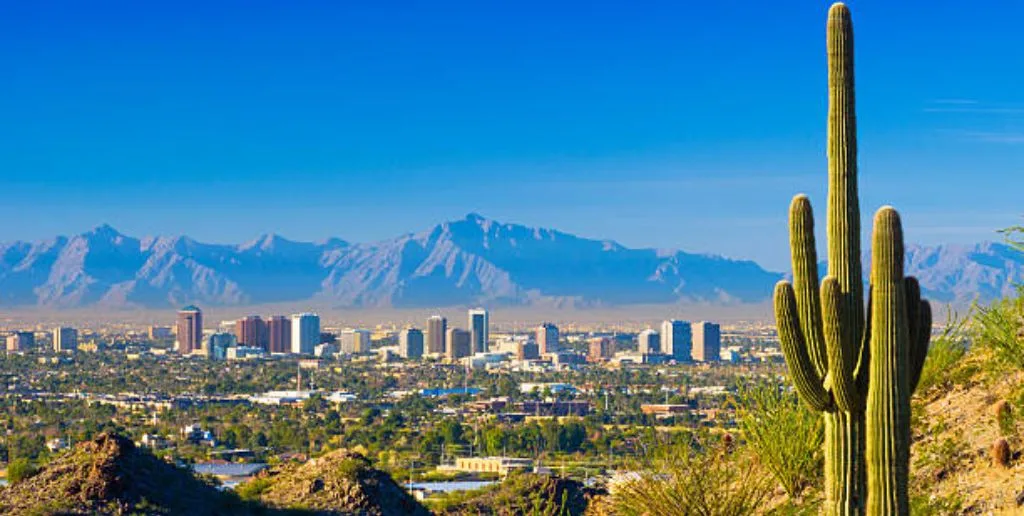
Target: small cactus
[[1000, 453], [856, 366]]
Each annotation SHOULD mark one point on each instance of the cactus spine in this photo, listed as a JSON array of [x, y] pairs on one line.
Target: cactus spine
[[829, 345]]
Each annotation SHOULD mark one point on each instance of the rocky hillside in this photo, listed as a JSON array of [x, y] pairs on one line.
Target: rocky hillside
[[525, 494], [957, 427], [337, 483], [109, 475]]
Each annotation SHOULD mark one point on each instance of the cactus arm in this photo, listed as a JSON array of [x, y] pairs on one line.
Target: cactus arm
[[919, 344], [808, 383], [841, 362], [888, 405], [805, 280], [863, 371]]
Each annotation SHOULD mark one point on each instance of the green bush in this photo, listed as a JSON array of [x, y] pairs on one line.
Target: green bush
[[998, 328], [770, 418], [251, 490], [945, 355], [708, 482], [19, 470]]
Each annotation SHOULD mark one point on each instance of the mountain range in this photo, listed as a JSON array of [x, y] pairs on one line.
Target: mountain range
[[473, 260]]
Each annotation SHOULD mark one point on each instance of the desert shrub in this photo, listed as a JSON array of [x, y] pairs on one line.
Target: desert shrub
[[19, 470], [1006, 419], [997, 328], [945, 355], [708, 481], [943, 456], [352, 468], [252, 489], [770, 417]]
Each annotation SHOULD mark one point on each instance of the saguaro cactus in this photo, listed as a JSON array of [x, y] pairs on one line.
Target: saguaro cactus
[[825, 337]]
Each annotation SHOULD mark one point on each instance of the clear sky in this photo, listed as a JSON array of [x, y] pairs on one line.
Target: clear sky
[[675, 124]]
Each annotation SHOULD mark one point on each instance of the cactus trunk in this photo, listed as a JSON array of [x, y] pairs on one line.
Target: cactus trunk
[[844, 460], [858, 370]]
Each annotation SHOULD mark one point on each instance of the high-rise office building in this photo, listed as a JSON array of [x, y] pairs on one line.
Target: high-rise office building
[[648, 342], [20, 341], [160, 333], [707, 342], [479, 327], [217, 345], [355, 341], [279, 334], [460, 343], [527, 350], [305, 333], [437, 329], [601, 349], [410, 343], [252, 331], [189, 330], [677, 340], [547, 338], [65, 339]]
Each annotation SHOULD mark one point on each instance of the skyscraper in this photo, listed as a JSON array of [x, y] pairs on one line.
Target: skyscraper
[[355, 341], [707, 342], [437, 328], [677, 340], [649, 342], [279, 334], [251, 331], [189, 330], [410, 343], [460, 344], [479, 327], [527, 351], [547, 338], [65, 339], [601, 349], [305, 333]]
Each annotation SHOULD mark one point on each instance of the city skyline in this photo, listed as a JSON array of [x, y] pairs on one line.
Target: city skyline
[[583, 111]]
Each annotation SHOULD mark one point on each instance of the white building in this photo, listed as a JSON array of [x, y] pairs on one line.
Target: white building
[[677, 340], [65, 339], [355, 341], [305, 333], [479, 328], [648, 342], [410, 343]]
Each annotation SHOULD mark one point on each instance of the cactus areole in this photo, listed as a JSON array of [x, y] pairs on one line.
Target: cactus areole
[[857, 366]]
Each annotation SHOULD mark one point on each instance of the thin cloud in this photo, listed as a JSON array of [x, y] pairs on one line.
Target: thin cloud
[[971, 106], [995, 137]]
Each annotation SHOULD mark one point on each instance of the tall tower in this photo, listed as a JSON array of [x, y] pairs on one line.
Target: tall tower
[[305, 333], [479, 327], [189, 329], [410, 343], [677, 340], [459, 344], [437, 327], [251, 331], [547, 338], [65, 339], [707, 342], [649, 342], [279, 334]]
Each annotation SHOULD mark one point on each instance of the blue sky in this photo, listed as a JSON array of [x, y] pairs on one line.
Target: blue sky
[[679, 124]]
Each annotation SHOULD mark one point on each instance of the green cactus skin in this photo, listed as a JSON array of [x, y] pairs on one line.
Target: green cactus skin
[[828, 343]]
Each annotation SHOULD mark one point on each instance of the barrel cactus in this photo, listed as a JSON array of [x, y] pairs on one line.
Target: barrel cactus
[[857, 367]]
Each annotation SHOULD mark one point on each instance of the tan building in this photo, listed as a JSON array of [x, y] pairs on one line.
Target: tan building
[[251, 331], [601, 349], [499, 465], [189, 329], [437, 329], [279, 334], [707, 342], [20, 341], [460, 344], [547, 338]]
